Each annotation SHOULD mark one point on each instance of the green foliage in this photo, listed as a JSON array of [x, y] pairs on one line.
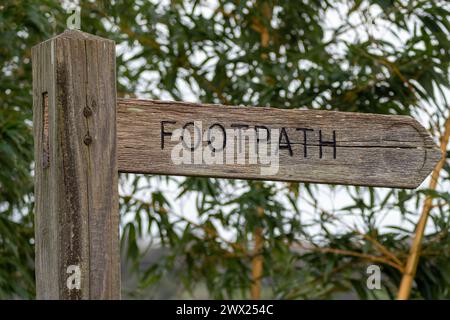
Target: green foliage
[[21, 26], [388, 57]]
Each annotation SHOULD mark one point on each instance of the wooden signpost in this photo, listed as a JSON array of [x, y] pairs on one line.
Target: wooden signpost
[[84, 137], [314, 146]]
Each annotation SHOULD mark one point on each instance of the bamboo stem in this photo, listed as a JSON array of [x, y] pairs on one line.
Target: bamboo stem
[[414, 254], [257, 260]]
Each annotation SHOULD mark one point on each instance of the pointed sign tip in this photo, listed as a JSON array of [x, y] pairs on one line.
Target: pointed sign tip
[[432, 158]]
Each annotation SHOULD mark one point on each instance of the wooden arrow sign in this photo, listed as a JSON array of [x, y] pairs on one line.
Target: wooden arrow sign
[[313, 146]]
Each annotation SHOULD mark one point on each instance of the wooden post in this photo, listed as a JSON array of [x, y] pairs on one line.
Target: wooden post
[[76, 198]]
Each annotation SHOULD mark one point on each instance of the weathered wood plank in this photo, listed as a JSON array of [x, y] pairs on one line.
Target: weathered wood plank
[[325, 146], [76, 184], [46, 220]]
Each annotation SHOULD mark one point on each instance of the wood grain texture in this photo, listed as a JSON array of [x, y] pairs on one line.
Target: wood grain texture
[[370, 149], [76, 191], [46, 220]]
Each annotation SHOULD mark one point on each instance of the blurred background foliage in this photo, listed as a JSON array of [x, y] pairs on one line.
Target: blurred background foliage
[[379, 56]]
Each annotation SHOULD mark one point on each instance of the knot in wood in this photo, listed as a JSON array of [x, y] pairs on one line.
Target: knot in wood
[[87, 112], [87, 140]]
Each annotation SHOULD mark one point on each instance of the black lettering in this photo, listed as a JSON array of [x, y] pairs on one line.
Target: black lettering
[[257, 136], [239, 126], [287, 144], [199, 135], [305, 144], [224, 137], [327, 143], [257, 131], [164, 133]]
